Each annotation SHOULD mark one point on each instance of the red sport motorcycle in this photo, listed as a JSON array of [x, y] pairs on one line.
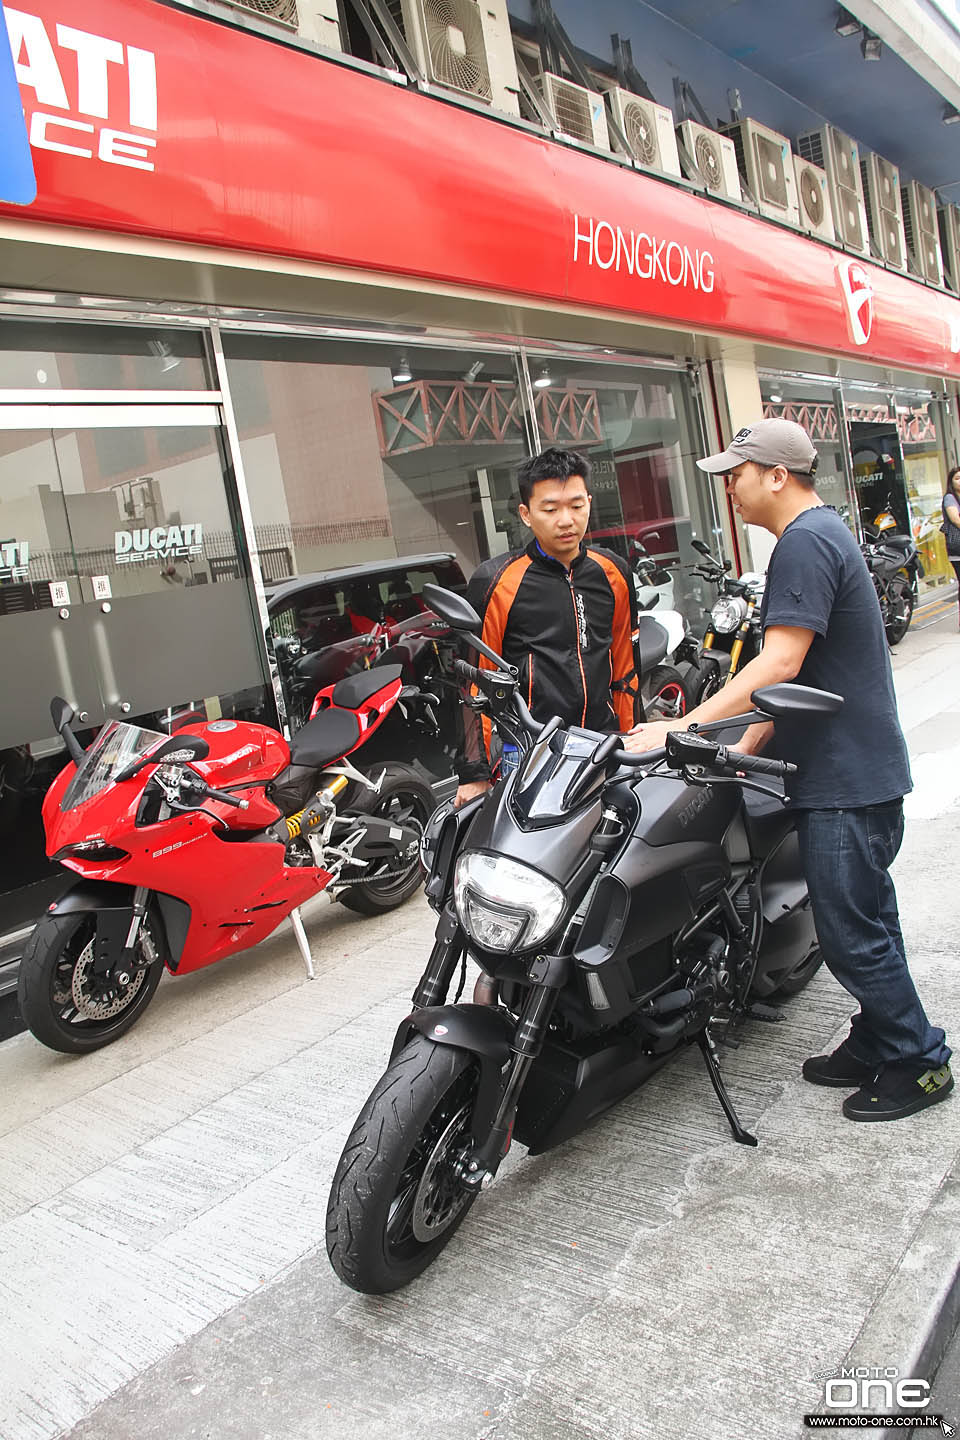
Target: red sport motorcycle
[[195, 845]]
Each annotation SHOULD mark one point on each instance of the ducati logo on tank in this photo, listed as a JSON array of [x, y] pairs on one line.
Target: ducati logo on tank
[[857, 289], [85, 95]]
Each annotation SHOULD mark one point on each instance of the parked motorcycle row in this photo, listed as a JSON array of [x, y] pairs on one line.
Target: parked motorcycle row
[[619, 907]]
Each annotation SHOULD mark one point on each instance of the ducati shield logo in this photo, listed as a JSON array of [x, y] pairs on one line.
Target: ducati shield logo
[[857, 290]]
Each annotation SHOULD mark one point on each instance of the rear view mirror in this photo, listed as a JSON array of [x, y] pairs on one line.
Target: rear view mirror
[[788, 699], [181, 747], [61, 713], [454, 609]]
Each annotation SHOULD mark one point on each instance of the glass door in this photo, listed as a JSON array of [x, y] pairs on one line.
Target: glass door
[[123, 587]]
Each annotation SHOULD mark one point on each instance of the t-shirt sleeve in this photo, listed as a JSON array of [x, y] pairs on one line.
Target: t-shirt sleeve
[[802, 582]]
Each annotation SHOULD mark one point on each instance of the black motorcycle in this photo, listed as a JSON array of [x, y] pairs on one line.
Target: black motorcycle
[[732, 637], [621, 906], [895, 568]]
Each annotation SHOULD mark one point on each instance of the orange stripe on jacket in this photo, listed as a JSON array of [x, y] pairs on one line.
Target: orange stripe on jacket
[[495, 618], [621, 647]]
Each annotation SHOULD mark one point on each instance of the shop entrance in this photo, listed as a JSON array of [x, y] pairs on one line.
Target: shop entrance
[[122, 588], [879, 474]]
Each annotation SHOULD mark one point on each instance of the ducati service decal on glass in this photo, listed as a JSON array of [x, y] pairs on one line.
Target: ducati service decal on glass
[[163, 542]]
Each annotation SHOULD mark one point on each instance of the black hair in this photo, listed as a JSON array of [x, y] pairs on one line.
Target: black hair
[[954, 470], [551, 464], [806, 478]]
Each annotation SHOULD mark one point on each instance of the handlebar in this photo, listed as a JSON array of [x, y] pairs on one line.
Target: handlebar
[[226, 798]]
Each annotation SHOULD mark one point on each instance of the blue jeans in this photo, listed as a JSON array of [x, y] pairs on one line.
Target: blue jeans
[[846, 856]]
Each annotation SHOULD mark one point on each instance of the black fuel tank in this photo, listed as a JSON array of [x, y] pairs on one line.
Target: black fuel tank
[[675, 813]]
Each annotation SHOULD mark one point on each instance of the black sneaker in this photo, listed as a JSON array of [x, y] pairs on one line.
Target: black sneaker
[[900, 1089], [840, 1068]]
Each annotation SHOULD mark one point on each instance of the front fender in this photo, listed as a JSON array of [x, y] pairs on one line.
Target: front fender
[[94, 895], [482, 1030]]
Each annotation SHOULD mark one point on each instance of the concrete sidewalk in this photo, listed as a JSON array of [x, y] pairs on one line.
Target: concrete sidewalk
[[162, 1209]]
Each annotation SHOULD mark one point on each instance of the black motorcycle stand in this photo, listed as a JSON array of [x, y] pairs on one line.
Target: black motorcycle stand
[[708, 1050]]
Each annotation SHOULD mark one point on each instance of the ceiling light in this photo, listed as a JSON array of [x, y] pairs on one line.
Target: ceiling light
[[776, 399], [401, 371], [871, 45], [471, 374], [847, 24], [543, 378], [950, 115]]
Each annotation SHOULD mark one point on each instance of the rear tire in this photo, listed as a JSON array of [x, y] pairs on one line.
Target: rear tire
[[395, 1201], [800, 976], [664, 694], [55, 975], [408, 800], [900, 604]]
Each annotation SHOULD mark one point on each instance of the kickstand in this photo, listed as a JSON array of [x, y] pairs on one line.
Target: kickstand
[[302, 943], [708, 1050]]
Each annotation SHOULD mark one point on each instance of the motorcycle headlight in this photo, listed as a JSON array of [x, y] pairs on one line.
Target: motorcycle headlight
[[727, 614], [503, 905]]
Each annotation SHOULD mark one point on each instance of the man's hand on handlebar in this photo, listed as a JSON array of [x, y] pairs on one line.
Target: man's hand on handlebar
[[652, 735], [469, 791]]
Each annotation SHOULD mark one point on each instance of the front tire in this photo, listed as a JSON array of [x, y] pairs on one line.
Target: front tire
[[395, 1201], [406, 799], [57, 989]]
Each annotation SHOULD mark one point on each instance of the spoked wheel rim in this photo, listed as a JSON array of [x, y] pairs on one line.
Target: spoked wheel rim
[[429, 1196], [79, 1001], [401, 808], [669, 701]]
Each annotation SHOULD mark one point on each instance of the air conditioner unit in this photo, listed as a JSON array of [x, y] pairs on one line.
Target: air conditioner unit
[[648, 129], [881, 184], [765, 161], [579, 113], [949, 221], [838, 155], [922, 232], [813, 198], [463, 45], [283, 10], [317, 20], [715, 157]]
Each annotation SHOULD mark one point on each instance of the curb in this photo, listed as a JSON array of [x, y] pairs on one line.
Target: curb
[[913, 1319]]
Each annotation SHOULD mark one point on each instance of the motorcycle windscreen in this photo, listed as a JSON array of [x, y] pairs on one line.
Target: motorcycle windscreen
[[549, 785], [117, 746]]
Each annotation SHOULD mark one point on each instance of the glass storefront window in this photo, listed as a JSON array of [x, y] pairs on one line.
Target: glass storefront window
[[42, 355], [357, 453], [639, 428], [820, 416]]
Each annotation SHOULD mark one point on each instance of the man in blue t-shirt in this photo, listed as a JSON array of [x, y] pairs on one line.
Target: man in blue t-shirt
[[822, 627]]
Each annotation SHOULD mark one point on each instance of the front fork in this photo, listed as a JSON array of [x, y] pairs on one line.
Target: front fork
[[547, 973], [478, 1164], [736, 649]]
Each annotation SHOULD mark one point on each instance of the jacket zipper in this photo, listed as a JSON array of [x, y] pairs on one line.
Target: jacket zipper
[[530, 680], [576, 631]]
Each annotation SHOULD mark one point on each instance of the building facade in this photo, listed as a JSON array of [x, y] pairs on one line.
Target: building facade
[[276, 310]]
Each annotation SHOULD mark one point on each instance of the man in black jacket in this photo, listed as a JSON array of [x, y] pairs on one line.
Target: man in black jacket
[[562, 613]]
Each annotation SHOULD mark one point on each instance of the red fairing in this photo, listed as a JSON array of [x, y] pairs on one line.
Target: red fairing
[[199, 133]]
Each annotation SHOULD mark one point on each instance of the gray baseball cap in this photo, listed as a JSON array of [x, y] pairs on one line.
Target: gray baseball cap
[[767, 442]]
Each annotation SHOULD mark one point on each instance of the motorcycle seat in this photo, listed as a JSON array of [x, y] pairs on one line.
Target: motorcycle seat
[[324, 738], [766, 819], [353, 691], [652, 641]]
